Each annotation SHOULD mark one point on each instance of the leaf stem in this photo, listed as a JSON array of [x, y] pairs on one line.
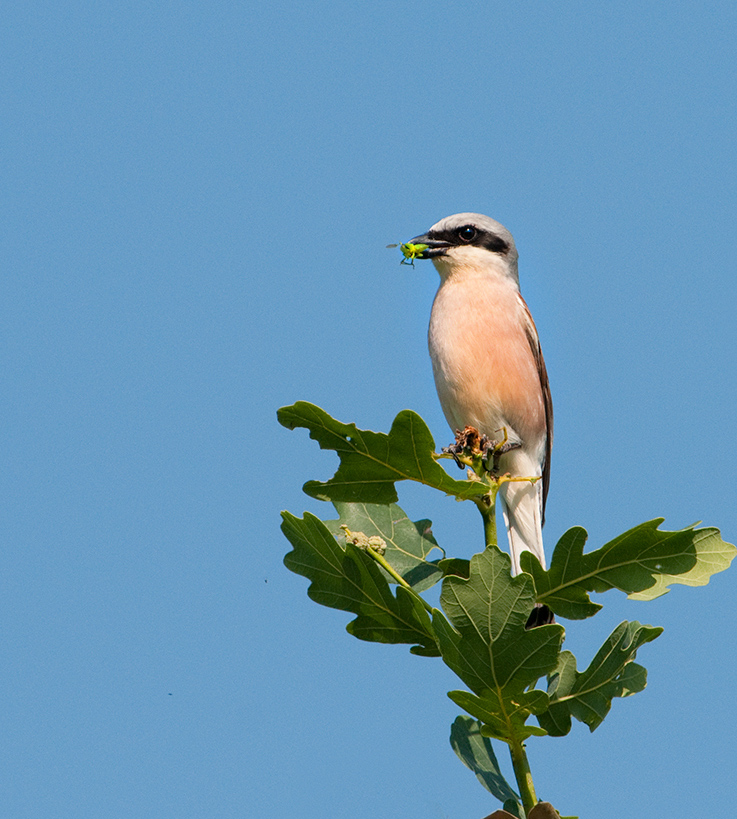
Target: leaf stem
[[487, 507], [523, 775], [382, 561]]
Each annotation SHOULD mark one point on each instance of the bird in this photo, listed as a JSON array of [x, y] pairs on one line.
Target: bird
[[488, 364]]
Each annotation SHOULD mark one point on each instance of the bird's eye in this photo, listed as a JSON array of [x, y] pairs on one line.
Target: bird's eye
[[467, 233]]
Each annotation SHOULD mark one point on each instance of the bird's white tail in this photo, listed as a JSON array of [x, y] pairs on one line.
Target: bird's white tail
[[522, 507]]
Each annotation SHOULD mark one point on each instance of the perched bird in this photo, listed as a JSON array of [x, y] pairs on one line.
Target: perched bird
[[488, 365]]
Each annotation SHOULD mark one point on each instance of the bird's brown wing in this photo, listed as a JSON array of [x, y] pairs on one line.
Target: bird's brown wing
[[537, 353]]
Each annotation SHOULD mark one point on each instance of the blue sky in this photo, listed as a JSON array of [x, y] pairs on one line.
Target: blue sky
[[196, 202]]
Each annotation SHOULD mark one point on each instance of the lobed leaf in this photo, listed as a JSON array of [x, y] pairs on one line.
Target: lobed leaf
[[643, 562], [372, 462], [408, 544], [346, 578], [489, 648], [588, 695]]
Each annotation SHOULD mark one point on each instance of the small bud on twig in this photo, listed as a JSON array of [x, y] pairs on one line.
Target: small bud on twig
[[364, 542]]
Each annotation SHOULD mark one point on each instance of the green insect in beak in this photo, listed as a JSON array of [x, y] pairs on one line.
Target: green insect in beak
[[410, 252]]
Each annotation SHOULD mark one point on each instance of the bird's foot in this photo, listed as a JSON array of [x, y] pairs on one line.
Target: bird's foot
[[493, 450], [478, 451]]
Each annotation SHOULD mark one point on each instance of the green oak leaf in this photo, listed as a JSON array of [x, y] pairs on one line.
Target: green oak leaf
[[488, 646], [408, 544], [475, 752], [587, 695], [371, 462], [643, 562], [346, 578]]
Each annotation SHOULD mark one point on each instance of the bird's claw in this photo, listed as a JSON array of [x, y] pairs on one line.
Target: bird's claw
[[454, 453], [493, 451], [465, 448]]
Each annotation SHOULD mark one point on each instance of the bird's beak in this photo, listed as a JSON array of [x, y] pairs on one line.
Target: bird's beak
[[435, 247]]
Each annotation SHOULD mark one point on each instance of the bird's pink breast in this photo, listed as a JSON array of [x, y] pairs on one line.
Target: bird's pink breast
[[485, 372]]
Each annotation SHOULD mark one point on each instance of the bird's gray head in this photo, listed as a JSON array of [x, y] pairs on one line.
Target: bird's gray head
[[469, 239]]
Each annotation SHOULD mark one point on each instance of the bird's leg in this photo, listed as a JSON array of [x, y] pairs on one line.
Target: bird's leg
[[493, 451]]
